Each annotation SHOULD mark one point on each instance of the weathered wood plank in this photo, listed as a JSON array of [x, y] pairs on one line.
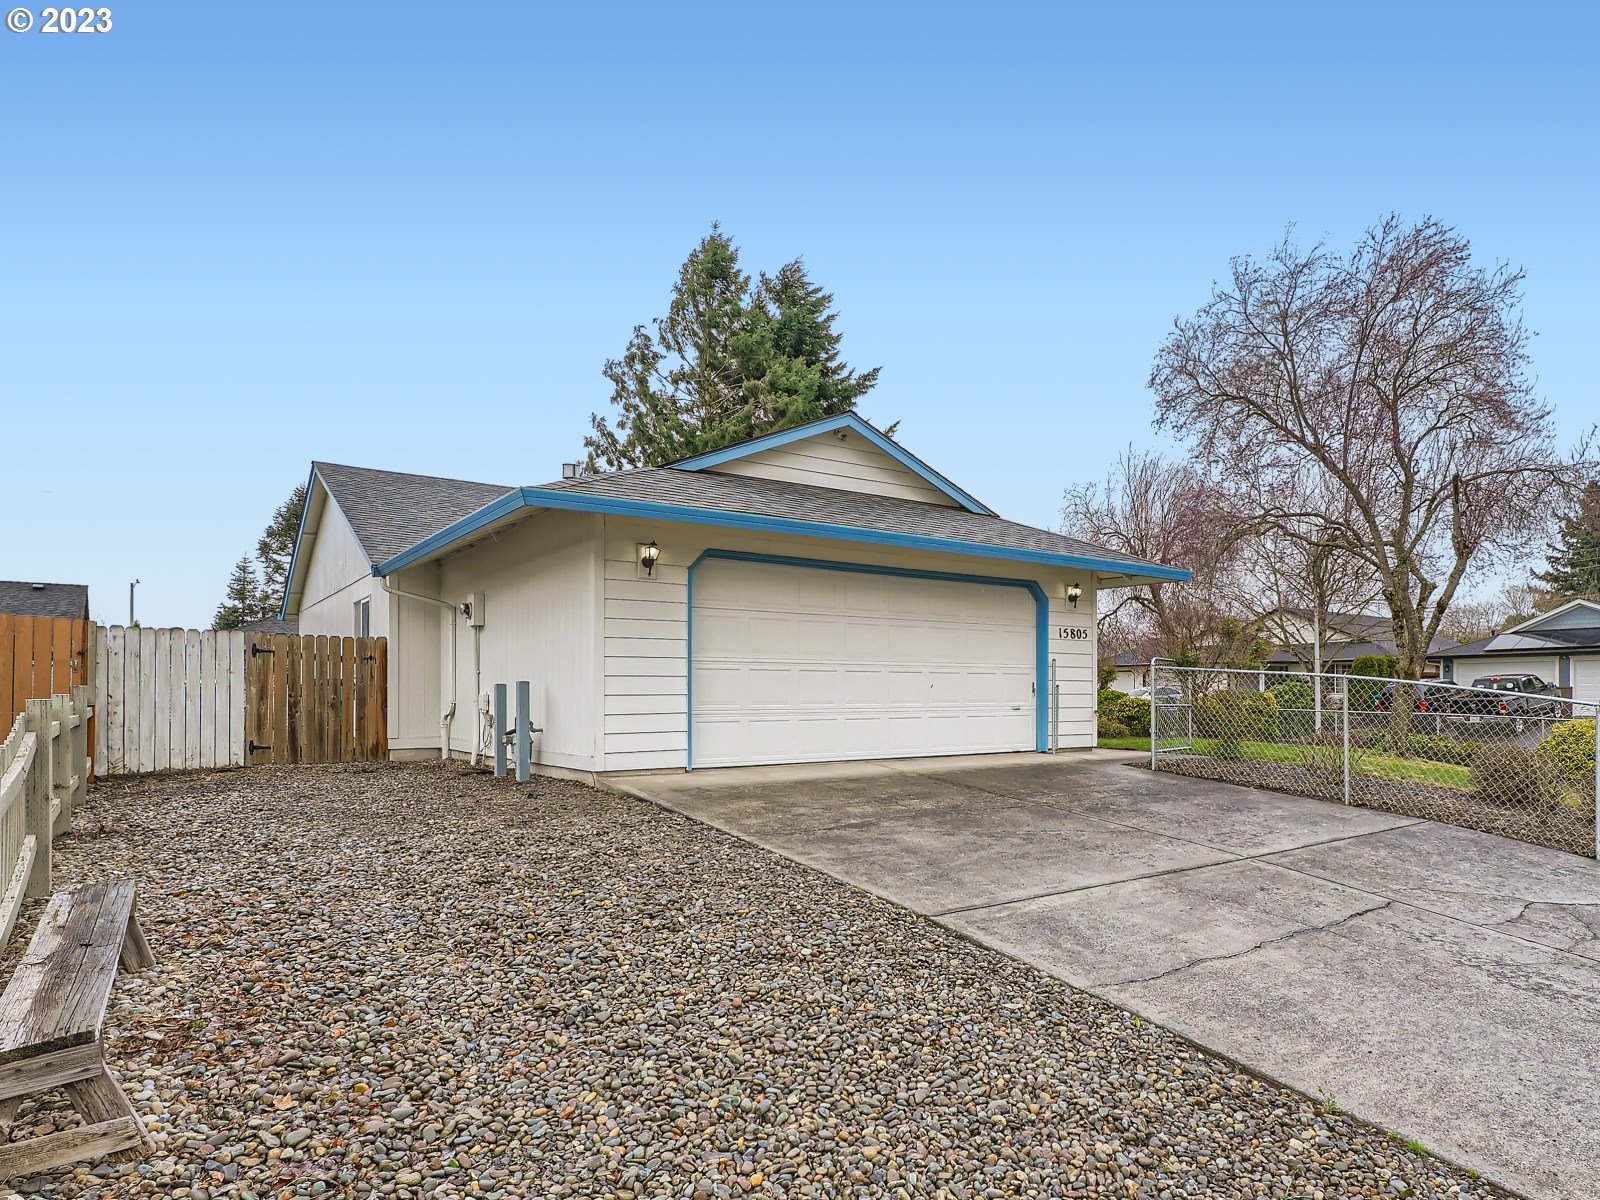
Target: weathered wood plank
[[238, 697], [196, 709], [111, 699], [57, 995], [146, 699], [347, 701], [69, 1146], [21, 662]]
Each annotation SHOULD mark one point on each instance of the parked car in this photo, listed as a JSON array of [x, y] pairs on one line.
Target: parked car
[[1425, 698], [1165, 694], [1515, 696]]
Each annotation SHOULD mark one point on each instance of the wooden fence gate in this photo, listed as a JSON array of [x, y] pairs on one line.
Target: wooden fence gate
[[40, 657], [316, 699]]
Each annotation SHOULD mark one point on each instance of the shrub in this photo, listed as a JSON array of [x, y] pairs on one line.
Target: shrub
[[1235, 716], [1437, 748], [1295, 703], [1135, 714], [1505, 774], [1364, 693], [1105, 727], [1570, 746], [1108, 673]]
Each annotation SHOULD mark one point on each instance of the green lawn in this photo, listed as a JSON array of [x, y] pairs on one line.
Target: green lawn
[[1367, 762]]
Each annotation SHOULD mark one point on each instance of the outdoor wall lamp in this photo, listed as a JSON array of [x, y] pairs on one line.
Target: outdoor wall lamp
[[1073, 592], [648, 554]]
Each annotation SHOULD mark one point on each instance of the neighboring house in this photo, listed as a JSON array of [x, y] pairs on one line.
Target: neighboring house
[[1561, 647], [815, 594], [1132, 672], [26, 599], [1345, 637]]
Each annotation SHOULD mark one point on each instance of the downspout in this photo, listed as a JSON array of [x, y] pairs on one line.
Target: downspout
[[447, 687]]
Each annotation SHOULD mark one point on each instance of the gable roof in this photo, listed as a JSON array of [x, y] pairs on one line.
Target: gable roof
[[777, 506], [27, 599], [391, 511], [387, 510], [847, 421], [1560, 610]]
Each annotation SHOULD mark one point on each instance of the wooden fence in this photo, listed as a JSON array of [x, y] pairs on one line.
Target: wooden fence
[[39, 656], [182, 699], [169, 699], [44, 775], [317, 699]]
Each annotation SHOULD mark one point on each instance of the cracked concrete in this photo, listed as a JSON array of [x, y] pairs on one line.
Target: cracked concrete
[[1441, 982]]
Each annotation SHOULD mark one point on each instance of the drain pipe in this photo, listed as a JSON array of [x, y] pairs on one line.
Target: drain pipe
[[447, 687]]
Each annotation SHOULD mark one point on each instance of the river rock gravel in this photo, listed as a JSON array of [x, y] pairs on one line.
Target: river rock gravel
[[418, 980]]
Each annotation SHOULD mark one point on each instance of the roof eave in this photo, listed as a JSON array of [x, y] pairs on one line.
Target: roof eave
[[510, 506], [317, 495]]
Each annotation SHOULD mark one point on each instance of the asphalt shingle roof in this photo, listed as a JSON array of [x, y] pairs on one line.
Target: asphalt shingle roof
[[44, 599], [392, 511], [805, 502]]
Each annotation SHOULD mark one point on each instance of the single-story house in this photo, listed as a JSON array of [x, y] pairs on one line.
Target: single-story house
[[25, 599], [819, 593], [1132, 672], [270, 625], [1561, 647], [1344, 636]]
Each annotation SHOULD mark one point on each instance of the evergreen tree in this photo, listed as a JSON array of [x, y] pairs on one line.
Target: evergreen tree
[[275, 548], [255, 588], [242, 598], [729, 361], [1574, 557]]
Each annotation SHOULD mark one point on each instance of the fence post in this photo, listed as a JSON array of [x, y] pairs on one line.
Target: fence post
[[37, 800], [499, 729], [1344, 712], [61, 762], [524, 737], [1155, 713], [82, 748], [1055, 710]]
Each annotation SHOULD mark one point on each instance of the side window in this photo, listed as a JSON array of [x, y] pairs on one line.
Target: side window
[[364, 617]]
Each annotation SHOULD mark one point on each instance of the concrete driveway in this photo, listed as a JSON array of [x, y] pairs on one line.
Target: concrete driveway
[[1442, 983]]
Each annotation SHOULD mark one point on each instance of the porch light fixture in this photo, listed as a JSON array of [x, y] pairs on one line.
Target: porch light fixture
[[1073, 592], [648, 553]]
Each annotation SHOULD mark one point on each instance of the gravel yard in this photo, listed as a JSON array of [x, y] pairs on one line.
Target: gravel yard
[[416, 980]]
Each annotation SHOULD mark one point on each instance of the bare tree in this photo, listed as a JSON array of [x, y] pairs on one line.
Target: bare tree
[[1474, 620], [1395, 377], [1163, 510]]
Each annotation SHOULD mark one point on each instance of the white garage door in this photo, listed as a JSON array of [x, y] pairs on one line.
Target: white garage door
[[806, 664], [1586, 677]]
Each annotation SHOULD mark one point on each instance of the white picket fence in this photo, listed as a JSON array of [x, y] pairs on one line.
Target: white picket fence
[[44, 775], [167, 699]]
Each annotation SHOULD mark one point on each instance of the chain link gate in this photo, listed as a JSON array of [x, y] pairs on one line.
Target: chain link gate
[[1517, 764]]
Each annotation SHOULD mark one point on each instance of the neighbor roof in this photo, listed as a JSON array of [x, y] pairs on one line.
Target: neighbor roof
[[778, 506], [1350, 651], [1547, 641], [392, 511], [23, 598]]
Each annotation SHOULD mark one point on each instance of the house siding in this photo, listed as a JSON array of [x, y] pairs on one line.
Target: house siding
[[541, 586], [645, 635], [851, 465]]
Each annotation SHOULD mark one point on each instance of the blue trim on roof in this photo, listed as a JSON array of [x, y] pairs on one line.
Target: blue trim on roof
[[294, 556], [851, 421], [533, 497], [1041, 625]]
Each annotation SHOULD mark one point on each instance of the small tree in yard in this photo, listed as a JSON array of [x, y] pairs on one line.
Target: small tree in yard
[[1394, 378], [1574, 568]]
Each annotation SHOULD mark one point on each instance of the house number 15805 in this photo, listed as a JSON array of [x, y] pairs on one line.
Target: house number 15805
[[1073, 633]]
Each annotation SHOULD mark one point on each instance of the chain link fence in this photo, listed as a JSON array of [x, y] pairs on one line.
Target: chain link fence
[[1512, 763]]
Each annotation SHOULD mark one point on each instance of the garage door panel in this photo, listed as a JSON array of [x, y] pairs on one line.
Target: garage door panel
[[797, 664]]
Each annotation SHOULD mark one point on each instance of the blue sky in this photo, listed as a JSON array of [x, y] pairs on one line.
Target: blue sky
[[240, 237]]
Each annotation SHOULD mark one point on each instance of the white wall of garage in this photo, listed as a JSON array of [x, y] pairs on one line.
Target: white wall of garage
[[607, 651], [645, 653]]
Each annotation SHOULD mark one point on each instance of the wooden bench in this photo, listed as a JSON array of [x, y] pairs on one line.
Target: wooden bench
[[50, 1021]]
